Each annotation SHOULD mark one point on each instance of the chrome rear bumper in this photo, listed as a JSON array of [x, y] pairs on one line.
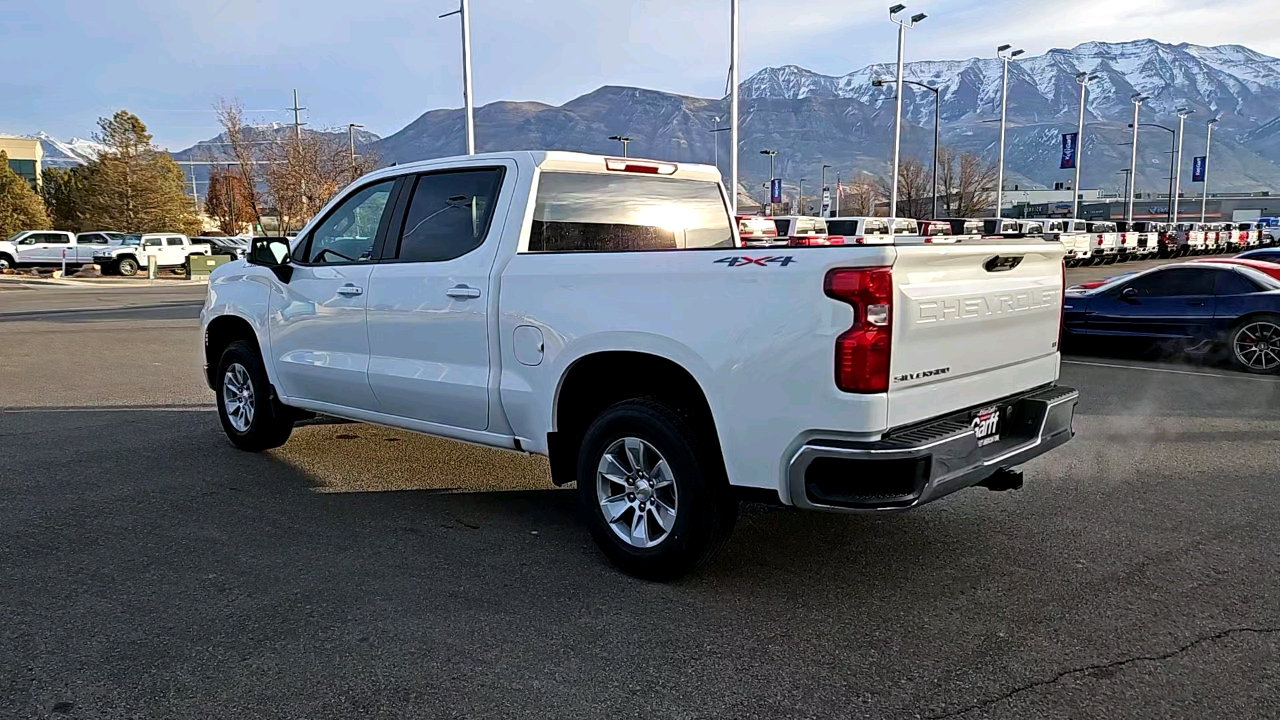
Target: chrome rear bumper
[[921, 463]]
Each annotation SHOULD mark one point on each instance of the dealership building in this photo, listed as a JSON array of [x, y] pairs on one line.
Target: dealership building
[[1095, 205], [25, 157]]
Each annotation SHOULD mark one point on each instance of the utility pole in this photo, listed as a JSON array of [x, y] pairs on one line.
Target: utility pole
[[1005, 56], [1204, 197], [801, 200], [897, 113], [838, 193], [297, 122], [351, 141], [1137, 99], [1082, 78], [733, 107], [622, 139], [464, 10], [1177, 175]]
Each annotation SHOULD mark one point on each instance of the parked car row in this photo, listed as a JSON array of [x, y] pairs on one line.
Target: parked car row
[[116, 253]]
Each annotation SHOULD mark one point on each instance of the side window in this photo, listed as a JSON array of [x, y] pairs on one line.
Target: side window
[[1175, 283], [90, 240], [173, 241], [151, 242], [448, 215], [348, 232], [52, 239], [1233, 283]]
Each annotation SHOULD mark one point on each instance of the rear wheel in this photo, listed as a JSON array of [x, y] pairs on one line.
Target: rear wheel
[[653, 491], [1255, 344], [252, 419]]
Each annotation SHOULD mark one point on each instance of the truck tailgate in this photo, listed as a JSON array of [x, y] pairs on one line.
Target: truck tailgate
[[972, 323]]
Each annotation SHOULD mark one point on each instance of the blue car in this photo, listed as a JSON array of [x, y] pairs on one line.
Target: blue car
[[1195, 306], [1265, 254]]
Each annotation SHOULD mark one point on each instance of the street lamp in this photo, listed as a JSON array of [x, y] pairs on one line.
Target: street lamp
[[1137, 100], [1173, 150], [718, 129], [937, 104], [733, 106], [622, 139], [1005, 54], [1177, 175], [826, 192], [897, 113], [464, 10], [351, 140], [771, 154], [1204, 197], [1083, 79], [801, 200]]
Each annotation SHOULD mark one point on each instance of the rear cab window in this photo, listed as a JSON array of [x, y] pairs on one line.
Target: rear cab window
[[592, 212]]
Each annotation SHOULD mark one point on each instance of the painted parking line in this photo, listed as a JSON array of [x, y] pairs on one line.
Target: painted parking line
[[1172, 371], [112, 408]]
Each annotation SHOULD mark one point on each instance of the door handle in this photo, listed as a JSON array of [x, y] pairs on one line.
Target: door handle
[[462, 291], [350, 291]]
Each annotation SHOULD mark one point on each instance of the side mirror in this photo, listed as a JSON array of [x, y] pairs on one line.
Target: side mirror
[[272, 252], [1129, 293]]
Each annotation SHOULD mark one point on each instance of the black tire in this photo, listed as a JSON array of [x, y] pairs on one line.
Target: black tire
[[7, 262], [1248, 328], [269, 423], [127, 267], [705, 508]]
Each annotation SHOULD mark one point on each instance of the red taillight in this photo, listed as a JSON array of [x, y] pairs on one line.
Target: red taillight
[[862, 351], [651, 168], [814, 240], [1099, 240]]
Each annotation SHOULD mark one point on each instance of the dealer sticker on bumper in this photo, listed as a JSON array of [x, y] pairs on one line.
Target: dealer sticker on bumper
[[986, 425]]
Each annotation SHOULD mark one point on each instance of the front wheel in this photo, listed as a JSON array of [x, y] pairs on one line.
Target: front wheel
[[1255, 344], [7, 263], [127, 267], [653, 491], [252, 419]]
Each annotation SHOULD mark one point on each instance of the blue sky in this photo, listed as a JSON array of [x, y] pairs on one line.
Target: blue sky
[[384, 62]]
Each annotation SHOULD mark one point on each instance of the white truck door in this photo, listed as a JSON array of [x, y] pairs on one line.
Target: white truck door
[[319, 338], [430, 303], [174, 253]]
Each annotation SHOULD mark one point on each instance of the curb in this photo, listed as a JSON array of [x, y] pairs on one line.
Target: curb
[[119, 308]]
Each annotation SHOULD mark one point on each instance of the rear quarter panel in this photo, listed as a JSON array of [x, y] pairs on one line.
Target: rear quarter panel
[[758, 337]]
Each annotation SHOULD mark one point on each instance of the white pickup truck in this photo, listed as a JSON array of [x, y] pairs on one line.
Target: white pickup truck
[[1074, 236], [602, 312], [52, 248], [134, 252]]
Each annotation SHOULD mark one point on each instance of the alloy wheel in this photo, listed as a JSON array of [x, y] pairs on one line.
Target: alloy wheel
[[1257, 346], [237, 397], [637, 492]]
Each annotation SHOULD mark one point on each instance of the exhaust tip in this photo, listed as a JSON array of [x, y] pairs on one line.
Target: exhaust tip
[[1003, 479]]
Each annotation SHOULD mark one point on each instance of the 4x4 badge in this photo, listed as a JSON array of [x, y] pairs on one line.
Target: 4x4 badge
[[765, 261]]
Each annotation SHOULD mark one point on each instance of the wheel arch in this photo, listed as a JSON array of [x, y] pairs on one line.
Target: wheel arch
[[598, 380], [219, 333]]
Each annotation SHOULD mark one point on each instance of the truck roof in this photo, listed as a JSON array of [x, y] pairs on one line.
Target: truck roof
[[559, 160]]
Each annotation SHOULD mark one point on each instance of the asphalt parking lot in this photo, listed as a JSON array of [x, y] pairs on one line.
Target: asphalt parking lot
[[148, 569]]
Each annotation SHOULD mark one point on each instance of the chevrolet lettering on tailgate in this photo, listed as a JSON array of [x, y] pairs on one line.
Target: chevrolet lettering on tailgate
[[947, 309]]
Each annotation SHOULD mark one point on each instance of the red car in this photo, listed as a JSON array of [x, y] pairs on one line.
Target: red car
[[1270, 268]]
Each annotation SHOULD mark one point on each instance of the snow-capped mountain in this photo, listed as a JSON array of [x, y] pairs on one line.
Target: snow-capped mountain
[[75, 151], [1234, 82]]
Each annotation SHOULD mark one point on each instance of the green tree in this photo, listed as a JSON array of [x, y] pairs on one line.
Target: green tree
[[63, 190], [133, 187], [20, 207]]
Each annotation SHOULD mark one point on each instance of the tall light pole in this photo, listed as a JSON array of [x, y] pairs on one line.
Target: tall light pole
[[937, 105], [351, 141], [771, 154], [1082, 78], [715, 141], [838, 193], [897, 112], [801, 200], [1136, 99], [1204, 197], [733, 106], [1005, 54], [622, 139], [464, 9], [1177, 175]]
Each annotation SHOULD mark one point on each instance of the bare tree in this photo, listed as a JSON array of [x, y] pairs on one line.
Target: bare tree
[[228, 200], [967, 183], [913, 188], [303, 172], [244, 152], [859, 199]]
